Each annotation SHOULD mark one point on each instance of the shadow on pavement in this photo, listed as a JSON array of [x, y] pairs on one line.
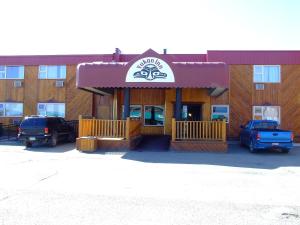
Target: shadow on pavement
[[236, 157], [60, 148]]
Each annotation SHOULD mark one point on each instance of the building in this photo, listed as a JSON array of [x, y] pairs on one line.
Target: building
[[154, 88]]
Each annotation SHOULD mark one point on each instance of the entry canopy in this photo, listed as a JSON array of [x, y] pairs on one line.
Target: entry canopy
[[152, 70]]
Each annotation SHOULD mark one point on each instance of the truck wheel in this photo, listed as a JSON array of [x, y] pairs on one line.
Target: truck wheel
[[53, 141], [285, 151], [251, 148], [28, 144], [241, 142]]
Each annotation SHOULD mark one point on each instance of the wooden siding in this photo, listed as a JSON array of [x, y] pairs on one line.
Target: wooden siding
[[240, 94], [34, 91], [290, 98], [243, 96], [78, 102], [103, 107], [223, 99], [31, 90]]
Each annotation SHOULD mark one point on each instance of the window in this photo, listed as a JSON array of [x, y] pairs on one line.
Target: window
[[11, 72], [220, 112], [154, 115], [266, 74], [52, 72], [11, 109], [266, 113], [135, 111], [51, 109]]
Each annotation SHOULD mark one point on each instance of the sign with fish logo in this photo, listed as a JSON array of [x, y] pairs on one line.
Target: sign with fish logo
[[150, 69]]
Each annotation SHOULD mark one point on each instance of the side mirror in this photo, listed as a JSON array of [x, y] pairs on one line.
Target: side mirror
[[242, 126]]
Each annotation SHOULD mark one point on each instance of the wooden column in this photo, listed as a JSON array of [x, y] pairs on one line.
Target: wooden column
[[178, 104], [126, 103], [115, 104], [173, 129]]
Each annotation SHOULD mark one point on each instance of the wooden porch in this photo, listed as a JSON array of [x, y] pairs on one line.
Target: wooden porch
[[94, 134], [126, 134], [199, 136]]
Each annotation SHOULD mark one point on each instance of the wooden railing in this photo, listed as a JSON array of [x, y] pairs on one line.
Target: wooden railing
[[133, 128], [198, 130], [102, 128], [109, 128]]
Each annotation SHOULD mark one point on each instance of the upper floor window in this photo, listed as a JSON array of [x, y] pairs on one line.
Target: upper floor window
[[52, 72], [11, 109], [266, 74], [11, 72], [51, 109]]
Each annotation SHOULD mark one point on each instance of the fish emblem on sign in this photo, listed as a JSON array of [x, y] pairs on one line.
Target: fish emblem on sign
[[150, 72]]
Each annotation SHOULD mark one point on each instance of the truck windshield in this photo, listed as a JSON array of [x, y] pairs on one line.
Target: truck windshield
[[265, 125]]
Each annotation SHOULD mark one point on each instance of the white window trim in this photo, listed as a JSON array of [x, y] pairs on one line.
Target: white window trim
[[227, 106], [279, 111], [4, 109], [5, 73], [162, 106], [47, 73], [50, 103], [266, 82]]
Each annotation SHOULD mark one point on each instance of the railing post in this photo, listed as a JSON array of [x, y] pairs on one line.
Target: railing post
[[224, 130], [173, 129], [80, 126], [127, 128]]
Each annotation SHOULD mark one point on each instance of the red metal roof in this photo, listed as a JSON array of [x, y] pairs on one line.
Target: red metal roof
[[228, 57], [255, 57], [190, 74], [53, 59]]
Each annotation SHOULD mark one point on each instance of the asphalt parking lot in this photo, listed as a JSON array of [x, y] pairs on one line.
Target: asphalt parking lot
[[63, 186]]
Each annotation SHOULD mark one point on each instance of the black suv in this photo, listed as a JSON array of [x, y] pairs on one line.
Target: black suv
[[45, 130]]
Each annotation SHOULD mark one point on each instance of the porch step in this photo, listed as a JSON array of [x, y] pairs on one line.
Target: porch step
[[199, 146], [155, 143]]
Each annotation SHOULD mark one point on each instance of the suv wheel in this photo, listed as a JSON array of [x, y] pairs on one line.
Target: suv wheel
[[28, 144], [71, 137], [53, 141]]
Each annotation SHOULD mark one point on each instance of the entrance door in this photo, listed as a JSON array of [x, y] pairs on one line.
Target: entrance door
[[192, 112]]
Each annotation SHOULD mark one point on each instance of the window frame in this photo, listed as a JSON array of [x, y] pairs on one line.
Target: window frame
[[5, 72], [262, 73], [135, 105], [162, 106], [254, 114], [4, 109], [46, 71], [50, 103], [228, 112]]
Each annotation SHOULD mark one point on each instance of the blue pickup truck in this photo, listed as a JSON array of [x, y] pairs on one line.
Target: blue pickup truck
[[265, 134]]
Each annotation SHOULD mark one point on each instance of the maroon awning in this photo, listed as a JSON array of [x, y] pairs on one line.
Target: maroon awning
[[151, 70]]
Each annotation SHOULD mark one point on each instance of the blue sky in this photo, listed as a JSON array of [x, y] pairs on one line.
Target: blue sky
[[189, 26]]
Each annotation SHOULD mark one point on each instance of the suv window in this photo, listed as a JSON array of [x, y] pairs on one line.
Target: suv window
[[34, 122]]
